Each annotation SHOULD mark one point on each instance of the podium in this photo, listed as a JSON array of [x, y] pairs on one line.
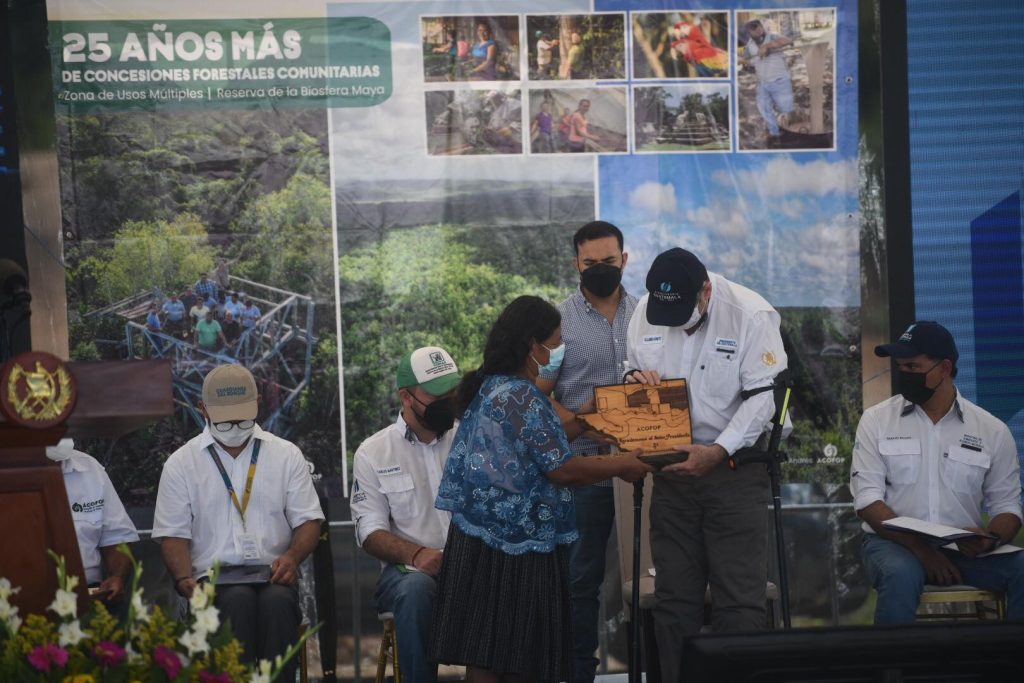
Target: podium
[[43, 399]]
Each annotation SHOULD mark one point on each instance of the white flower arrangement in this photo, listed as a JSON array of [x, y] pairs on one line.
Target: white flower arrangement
[[147, 645]]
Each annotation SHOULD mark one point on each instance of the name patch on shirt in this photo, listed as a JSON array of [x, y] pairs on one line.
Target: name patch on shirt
[[725, 345], [384, 471], [653, 339], [972, 443]]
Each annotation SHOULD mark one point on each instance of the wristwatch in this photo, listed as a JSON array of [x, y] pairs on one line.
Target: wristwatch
[[996, 542]]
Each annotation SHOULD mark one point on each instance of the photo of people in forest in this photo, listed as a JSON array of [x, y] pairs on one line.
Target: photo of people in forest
[[204, 238], [680, 45], [576, 47], [467, 48]]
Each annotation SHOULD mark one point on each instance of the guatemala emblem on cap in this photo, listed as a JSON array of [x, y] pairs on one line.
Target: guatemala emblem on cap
[[36, 390], [664, 293], [437, 358]]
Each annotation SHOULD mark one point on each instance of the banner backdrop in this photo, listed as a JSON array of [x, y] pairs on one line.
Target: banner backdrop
[[463, 188], [369, 177]]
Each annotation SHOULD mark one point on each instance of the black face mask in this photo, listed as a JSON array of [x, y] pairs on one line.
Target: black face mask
[[601, 279], [912, 385], [439, 416]]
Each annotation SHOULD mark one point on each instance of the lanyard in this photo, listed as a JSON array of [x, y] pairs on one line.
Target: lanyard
[[241, 507]]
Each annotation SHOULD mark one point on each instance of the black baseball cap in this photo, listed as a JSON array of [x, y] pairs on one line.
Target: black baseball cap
[[673, 282], [922, 337]]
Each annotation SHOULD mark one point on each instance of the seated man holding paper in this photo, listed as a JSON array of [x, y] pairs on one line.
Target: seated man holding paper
[[241, 496], [397, 472], [101, 524], [932, 455]]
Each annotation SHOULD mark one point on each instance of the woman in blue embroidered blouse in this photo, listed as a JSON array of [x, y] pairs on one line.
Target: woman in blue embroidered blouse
[[503, 591]]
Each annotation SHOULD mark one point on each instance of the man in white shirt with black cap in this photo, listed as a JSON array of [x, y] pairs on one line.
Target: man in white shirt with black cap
[[930, 454], [707, 521], [397, 472], [241, 496], [101, 523]]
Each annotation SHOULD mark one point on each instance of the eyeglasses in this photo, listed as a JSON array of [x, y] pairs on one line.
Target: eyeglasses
[[226, 426]]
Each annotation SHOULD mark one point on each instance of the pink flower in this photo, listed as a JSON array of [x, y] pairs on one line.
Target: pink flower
[[168, 660], [108, 653], [43, 657], [207, 677]]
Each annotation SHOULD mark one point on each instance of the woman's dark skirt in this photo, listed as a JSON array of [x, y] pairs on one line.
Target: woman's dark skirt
[[509, 614]]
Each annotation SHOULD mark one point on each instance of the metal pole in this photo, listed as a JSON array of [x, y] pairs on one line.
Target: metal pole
[[634, 624], [780, 543]]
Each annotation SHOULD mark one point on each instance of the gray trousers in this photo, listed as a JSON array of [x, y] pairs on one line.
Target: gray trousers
[[265, 619], [711, 529]]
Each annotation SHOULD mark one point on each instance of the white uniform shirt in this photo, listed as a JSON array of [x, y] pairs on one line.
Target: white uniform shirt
[[395, 483], [193, 502], [738, 348], [100, 518], [939, 472]]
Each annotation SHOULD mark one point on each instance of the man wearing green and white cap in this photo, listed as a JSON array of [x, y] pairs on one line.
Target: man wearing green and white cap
[[396, 475], [241, 496]]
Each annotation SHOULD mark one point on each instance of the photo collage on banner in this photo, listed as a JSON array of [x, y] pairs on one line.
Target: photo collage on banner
[[569, 75], [483, 73]]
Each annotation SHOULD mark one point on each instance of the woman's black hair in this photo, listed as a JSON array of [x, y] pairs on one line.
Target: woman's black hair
[[526, 320]]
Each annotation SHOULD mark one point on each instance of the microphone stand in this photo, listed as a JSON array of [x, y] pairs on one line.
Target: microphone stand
[[773, 459], [634, 626]]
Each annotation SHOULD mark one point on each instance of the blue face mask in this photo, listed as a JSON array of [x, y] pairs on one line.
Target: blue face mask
[[555, 357]]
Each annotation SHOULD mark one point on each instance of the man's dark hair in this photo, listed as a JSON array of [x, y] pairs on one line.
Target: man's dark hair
[[595, 230], [754, 23]]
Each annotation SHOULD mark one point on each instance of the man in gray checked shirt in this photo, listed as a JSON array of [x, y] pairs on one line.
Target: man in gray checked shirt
[[594, 323]]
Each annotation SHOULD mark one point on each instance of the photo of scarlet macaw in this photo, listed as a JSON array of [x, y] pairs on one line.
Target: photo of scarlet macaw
[[693, 46]]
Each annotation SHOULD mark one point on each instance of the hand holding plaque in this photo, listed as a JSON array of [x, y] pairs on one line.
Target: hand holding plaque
[[651, 417]]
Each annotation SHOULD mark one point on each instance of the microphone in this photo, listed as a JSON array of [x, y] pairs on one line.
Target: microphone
[[13, 285]]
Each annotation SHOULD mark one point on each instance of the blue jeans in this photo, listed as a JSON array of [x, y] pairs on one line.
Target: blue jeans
[[899, 578], [774, 96], [410, 597], [595, 514]]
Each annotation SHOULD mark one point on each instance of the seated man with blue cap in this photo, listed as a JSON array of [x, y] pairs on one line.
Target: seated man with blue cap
[[930, 454]]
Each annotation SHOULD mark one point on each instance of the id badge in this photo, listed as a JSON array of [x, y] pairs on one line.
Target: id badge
[[249, 546]]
